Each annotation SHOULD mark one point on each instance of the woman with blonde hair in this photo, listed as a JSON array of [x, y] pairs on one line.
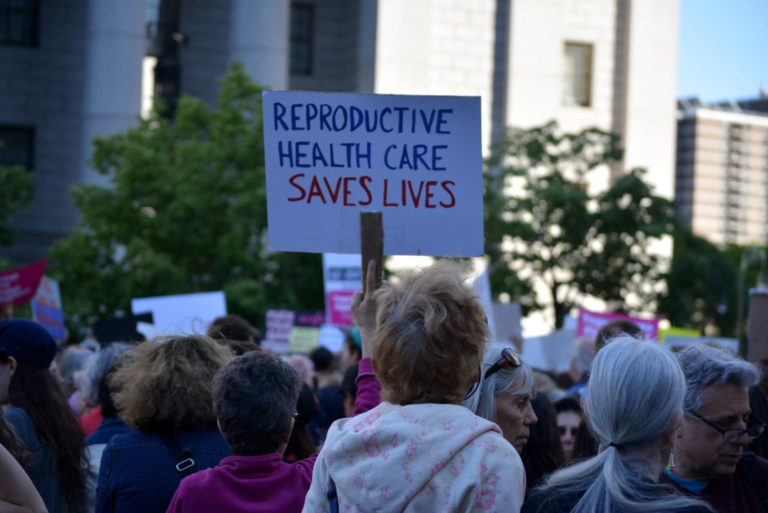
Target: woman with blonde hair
[[164, 392], [420, 449]]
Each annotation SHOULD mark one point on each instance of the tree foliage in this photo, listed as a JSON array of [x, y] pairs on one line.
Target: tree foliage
[[701, 285], [15, 193], [544, 225], [185, 211]]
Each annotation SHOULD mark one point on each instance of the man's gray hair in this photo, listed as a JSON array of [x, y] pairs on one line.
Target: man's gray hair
[[582, 353], [96, 368], [705, 366]]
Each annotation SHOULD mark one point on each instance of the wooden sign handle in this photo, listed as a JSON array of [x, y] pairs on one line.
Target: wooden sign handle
[[371, 244]]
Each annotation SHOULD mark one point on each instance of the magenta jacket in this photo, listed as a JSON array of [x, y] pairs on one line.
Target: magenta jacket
[[262, 483]]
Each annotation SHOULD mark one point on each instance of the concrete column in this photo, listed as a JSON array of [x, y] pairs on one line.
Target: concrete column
[[757, 334], [114, 52], [260, 39]]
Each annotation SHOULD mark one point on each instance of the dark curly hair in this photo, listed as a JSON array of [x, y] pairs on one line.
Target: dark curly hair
[[255, 398]]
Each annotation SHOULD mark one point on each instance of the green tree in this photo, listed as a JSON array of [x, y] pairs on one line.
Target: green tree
[[16, 192], [185, 212], [543, 224], [701, 285]]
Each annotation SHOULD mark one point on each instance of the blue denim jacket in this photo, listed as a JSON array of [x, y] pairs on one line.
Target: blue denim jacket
[[138, 474], [108, 427]]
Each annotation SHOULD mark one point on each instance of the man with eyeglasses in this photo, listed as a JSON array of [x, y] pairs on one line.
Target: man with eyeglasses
[[709, 453]]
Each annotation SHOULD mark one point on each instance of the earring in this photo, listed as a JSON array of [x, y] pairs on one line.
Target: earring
[[671, 463]]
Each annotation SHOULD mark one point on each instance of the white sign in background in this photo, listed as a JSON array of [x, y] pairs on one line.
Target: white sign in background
[[342, 278], [416, 159], [182, 314]]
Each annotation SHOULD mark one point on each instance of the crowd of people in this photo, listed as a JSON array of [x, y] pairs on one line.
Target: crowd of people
[[419, 412]]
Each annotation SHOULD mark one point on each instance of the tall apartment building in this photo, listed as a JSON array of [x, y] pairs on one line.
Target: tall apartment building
[[722, 170], [74, 69]]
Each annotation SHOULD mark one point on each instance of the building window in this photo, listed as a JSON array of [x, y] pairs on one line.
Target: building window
[[578, 74], [302, 36], [18, 22], [17, 146]]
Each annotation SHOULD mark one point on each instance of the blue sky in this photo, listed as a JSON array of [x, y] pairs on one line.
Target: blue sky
[[723, 51]]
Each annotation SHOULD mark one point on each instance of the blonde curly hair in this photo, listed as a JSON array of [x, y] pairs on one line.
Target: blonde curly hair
[[430, 337]]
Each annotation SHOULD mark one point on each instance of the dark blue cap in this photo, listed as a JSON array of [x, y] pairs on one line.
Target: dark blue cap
[[27, 341]]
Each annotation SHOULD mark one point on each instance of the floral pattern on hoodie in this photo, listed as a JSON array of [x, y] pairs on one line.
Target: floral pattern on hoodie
[[417, 458]]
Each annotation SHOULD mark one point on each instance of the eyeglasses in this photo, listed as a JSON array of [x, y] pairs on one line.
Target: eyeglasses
[[754, 429], [507, 358]]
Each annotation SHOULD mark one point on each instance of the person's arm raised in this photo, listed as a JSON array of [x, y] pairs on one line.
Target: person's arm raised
[[364, 308]]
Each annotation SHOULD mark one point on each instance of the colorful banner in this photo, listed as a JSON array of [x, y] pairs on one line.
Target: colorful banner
[[590, 323], [415, 159], [46, 308], [19, 285]]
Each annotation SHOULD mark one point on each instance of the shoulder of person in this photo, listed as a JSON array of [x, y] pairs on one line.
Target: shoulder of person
[[23, 427]]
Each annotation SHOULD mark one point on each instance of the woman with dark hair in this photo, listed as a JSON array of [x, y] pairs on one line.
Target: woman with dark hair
[[300, 445], [543, 454], [40, 415], [568, 419], [163, 390]]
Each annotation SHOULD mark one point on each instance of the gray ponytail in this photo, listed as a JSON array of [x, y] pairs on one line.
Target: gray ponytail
[[635, 394]]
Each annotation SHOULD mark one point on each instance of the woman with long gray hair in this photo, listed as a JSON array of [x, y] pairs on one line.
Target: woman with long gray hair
[[634, 406], [503, 395]]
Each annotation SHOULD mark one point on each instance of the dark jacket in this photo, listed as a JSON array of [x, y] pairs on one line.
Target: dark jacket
[[554, 500], [733, 493], [43, 471], [138, 473]]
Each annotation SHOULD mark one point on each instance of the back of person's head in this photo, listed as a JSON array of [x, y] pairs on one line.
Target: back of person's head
[[233, 327], [239, 347], [322, 359], [567, 403], [94, 382], [430, 335], [255, 397], [616, 328], [517, 380], [300, 444], [73, 362], [165, 384], [705, 366], [634, 400], [581, 353], [36, 390]]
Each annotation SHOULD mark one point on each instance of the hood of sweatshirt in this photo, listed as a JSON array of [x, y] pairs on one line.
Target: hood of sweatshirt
[[383, 459]]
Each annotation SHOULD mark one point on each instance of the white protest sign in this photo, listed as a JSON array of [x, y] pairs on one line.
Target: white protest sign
[[182, 313], [342, 277], [416, 159]]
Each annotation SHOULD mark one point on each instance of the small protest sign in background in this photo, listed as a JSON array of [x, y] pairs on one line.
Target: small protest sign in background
[[46, 308], [415, 159], [590, 323], [292, 331], [19, 285], [341, 275]]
